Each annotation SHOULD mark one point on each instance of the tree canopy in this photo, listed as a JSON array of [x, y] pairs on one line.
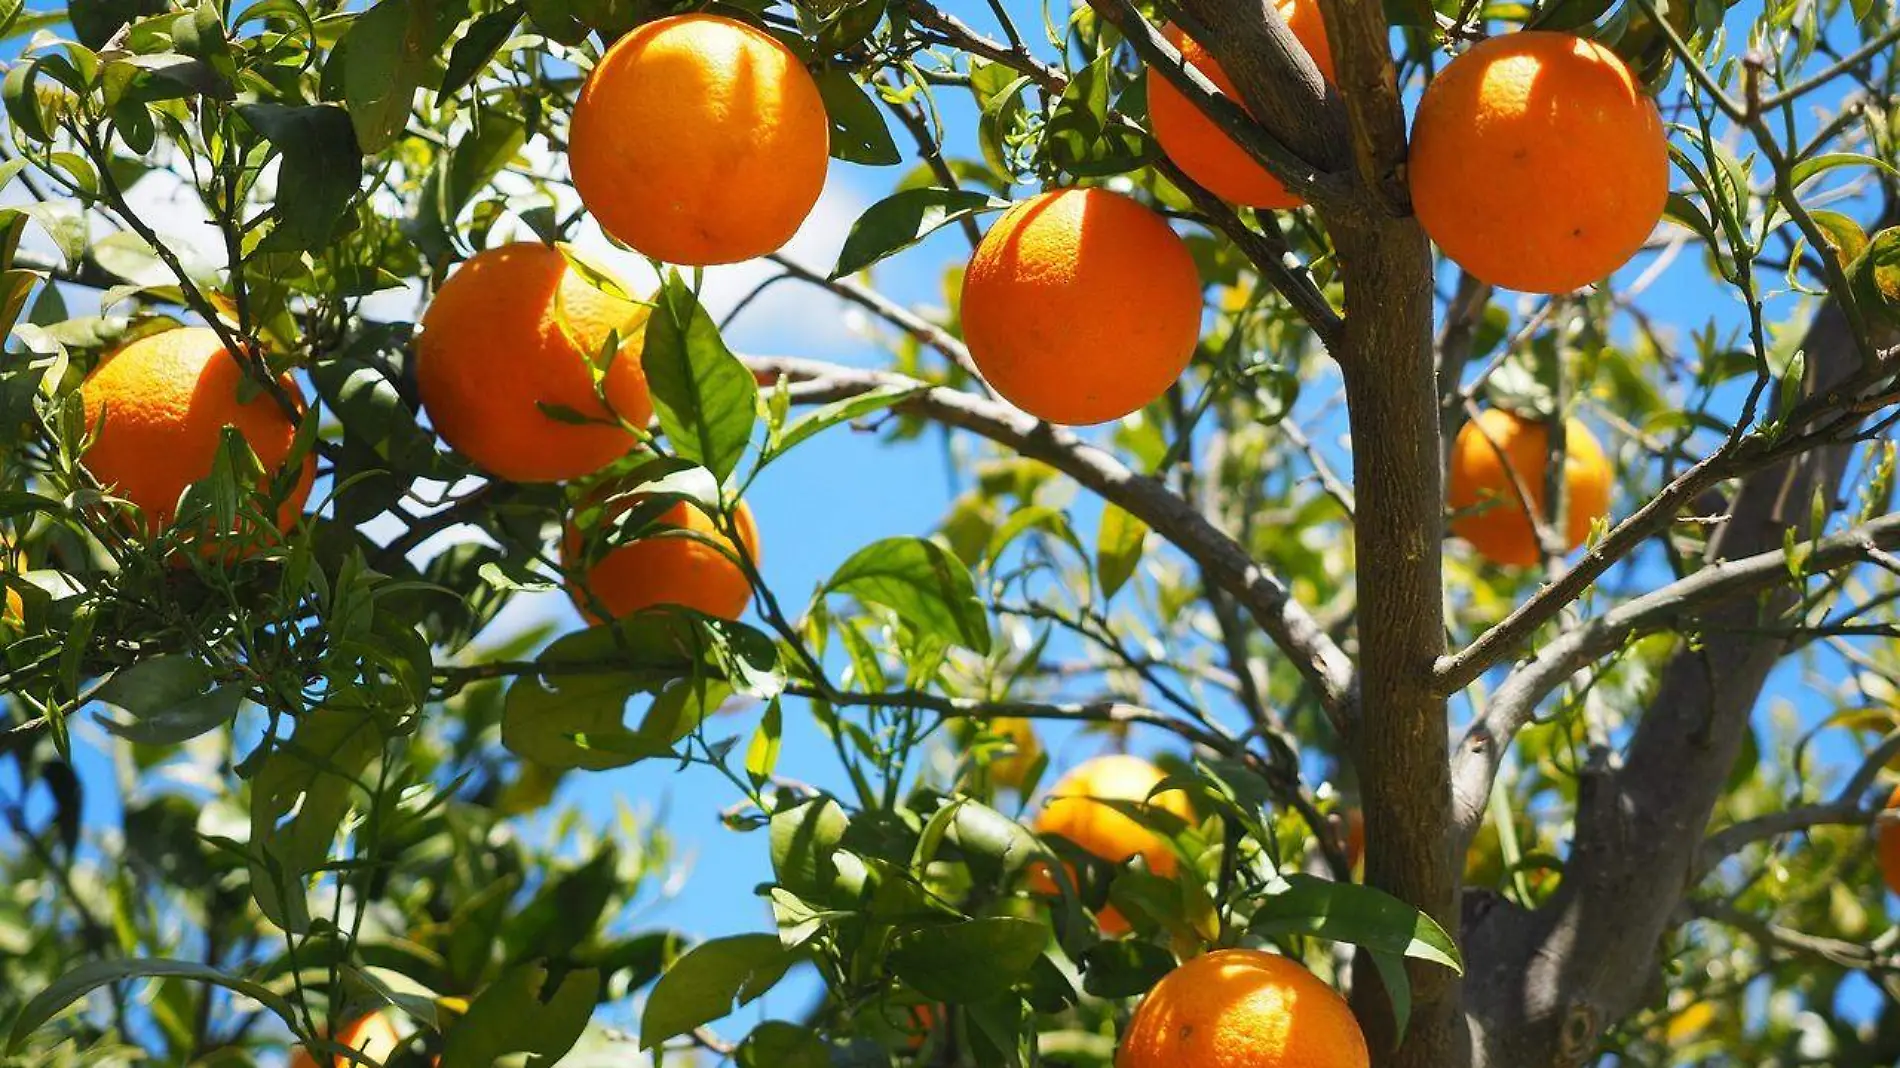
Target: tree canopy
[[1585, 767]]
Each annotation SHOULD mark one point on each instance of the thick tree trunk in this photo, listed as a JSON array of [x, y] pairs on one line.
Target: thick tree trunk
[[1400, 744]]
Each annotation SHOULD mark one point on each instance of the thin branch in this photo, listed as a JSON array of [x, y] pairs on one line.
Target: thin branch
[[1299, 174], [888, 310], [1228, 565], [1476, 761]]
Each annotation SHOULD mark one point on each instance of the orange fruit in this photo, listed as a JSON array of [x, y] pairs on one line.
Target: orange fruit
[[373, 1035], [1242, 1008], [1009, 770], [1108, 919], [1081, 306], [1198, 146], [1075, 811], [1888, 846], [1355, 838], [667, 569], [159, 406], [1538, 163], [699, 139], [1492, 515], [512, 330], [923, 1020]]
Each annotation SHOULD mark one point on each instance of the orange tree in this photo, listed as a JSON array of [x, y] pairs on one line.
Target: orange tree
[[1517, 628]]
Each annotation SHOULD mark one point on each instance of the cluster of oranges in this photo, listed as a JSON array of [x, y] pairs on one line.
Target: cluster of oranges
[[1223, 1009], [699, 139]]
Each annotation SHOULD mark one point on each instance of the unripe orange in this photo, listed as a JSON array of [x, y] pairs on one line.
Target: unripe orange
[[159, 406], [699, 139], [1081, 306], [509, 339], [1538, 162], [1198, 146], [1242, 1008], [1491, 511], [667, 569]]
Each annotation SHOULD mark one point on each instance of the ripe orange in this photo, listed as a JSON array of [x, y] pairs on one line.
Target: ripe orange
[[667, 569], [1538, 163], [159, 406], [1081, 306], [1198, 146], [1500, 530], [1355, 838], [698, 140], [1075, 811], [513, 329], [1008, 772], [1887, 845], [373, 1035], [1242, 1008]]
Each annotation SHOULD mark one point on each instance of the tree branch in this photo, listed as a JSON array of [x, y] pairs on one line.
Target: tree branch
[[1323, 664], [1486, 741], [1280, 84], [1587, 958], [1368, 83], [1298, 172]]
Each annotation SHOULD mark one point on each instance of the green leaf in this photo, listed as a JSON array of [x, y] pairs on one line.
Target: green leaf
[[968, 961], [1815, 166], [156, 684], [777, 1044], [858, 132], [761, 757], [321, 171], [1124, 969], [512, 1015], [990, 839], [92, 975], [463, 171], [64, 222], [477, 47], [1845, 237], [901, 220], [385, 54], [1398, 988], [572, 716], [703, 985], [843, 411], [706, 399], [805, 841], [566, 910], [928, 587], [184, 720], [15, 286], [1081, 138], [312, 774], [1684, 212], [1874, 276], [1002, 113], [1118, 548], [1348, 912], [356, 386]]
